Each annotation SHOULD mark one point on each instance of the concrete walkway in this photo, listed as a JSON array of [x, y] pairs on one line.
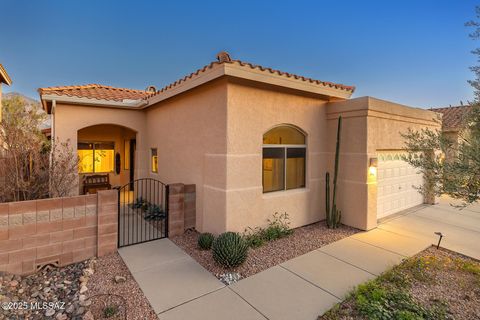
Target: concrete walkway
[[306, 286]]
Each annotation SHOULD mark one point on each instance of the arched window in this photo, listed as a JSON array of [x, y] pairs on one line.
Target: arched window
[[284, 153]]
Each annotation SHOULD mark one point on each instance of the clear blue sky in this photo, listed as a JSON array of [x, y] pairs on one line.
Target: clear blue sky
[[407, 51]]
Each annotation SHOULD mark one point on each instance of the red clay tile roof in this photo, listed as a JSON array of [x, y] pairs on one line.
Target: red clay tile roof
[[453, 117], [96, 91], [258, 67]]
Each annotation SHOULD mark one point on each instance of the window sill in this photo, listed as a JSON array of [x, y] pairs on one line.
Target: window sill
[[282, 193]]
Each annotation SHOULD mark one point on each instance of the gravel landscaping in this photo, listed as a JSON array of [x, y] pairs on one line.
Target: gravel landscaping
[[112, 289], [435, 284], [301, 241], [47, 294]]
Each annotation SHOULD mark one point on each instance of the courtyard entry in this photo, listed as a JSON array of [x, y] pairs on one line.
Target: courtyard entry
[[106, 155], [142, 212]]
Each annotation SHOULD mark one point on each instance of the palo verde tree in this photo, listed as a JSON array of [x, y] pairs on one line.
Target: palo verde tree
[[459, 174]]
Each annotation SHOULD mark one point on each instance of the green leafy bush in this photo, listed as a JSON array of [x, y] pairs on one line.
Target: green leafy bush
[[230, 249], [205, 240], [254, 237], [375, 300], [278, 227]]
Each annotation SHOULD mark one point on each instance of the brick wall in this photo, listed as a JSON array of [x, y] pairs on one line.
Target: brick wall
[[57, 231], [181, 208]]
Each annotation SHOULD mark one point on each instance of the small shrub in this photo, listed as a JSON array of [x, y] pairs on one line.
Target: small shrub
[[254, 237], [205, 240], [109, 311], [418, 267], [230, 249], [278, 227]]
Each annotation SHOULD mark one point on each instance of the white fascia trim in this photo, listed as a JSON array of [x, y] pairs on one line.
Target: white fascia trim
[[131, 104]]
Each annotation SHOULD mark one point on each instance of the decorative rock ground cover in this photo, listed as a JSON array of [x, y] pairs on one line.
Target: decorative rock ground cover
[[58, 293], [114, 293], [433, 285], [301, 241]]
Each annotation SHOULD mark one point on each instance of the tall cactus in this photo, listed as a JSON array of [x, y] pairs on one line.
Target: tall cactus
[[334, 215], [327, 197]]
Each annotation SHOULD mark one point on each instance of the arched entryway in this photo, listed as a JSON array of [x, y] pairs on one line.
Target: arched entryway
[[106, 157]]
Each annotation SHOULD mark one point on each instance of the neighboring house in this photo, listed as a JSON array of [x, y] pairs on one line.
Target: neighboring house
[[4, 78], [253, 140], [453, 120]]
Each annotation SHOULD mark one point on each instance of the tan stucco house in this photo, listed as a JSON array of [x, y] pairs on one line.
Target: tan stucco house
[[253, 140]]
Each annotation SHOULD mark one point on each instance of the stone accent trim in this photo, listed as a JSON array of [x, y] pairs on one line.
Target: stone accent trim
[[57, 231], [181, 208]]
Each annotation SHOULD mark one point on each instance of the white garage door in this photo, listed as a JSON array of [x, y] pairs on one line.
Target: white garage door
[[396, 182]]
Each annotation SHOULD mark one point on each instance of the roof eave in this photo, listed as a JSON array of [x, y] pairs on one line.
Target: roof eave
[[4, 77], [291, 82], [126, 104], [243, 72]]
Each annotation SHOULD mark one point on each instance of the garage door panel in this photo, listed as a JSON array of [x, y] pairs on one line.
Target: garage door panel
[[396, 184]]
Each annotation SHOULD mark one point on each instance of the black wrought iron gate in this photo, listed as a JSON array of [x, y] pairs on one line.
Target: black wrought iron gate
[[142, 211]]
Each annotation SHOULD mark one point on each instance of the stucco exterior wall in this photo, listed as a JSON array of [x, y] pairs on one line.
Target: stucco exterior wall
[[369, 125], [212, 137], [189, 132], [69, 119], [252, 111]]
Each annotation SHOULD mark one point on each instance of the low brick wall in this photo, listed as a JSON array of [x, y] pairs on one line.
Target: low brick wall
[[57, 231], [181, 208]]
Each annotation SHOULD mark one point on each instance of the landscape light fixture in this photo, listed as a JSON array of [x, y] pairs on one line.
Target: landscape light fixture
[[440, 235]]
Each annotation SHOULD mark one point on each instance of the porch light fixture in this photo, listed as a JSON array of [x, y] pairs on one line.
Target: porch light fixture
[[372, 168]]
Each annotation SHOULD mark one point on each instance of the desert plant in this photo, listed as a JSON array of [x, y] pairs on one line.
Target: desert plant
[[110, 311], [205, 240], [278, 227], [333, 214], [457, 176], [327, 196], [254, 237], [230, 249]]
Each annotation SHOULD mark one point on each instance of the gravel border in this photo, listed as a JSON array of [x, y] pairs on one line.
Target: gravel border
[[460, 289], [52, 293], [111, 276], [303, 240], [444, 281]]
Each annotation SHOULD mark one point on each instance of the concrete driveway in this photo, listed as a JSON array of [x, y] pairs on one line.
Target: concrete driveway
[[306, 286], [460, 227]]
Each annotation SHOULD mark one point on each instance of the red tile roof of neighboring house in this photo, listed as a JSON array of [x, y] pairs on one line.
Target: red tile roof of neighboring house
[[4, 77], [96, 91], [453, 117], [253, 66]]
